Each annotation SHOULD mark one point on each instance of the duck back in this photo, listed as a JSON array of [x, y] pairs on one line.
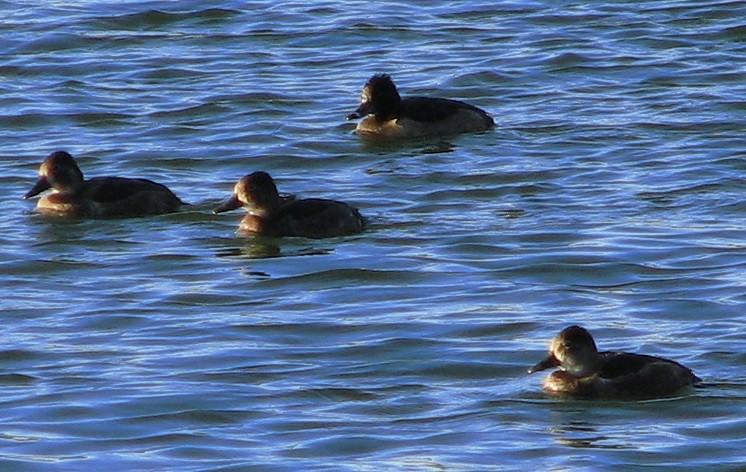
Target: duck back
[[310, 218], [642, 376], [429, 109]]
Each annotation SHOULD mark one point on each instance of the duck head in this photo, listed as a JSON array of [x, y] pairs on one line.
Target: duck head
[[379, 97], [257, 192], [59, 171], [573, 351]]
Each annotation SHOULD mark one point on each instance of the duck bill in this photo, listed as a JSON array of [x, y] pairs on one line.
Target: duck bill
[[41, 185], [228, 205], [548, 362], [363, 110]]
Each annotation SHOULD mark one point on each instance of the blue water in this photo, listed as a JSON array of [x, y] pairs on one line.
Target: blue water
[[610, 194]]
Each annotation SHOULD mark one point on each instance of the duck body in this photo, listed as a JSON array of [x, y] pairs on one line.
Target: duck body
[[310, 218], [270, 215], [100, 197], [586, 373], [385, 114]]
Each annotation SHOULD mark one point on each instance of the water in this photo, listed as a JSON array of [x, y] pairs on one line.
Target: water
[[611, 194]]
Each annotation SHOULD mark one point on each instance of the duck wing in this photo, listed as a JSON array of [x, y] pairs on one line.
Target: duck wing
[[643, 376], [619, 364], [318, 218], [429, 109], [113, 189]]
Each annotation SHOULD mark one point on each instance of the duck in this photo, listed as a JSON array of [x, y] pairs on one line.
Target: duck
[[385, 114], [276, 216], [101, 197], [586, 373]]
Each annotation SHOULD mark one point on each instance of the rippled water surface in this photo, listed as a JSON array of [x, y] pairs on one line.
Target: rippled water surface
[[611, 194]]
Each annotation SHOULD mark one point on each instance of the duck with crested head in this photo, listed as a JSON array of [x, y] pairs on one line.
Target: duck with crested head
[[385, 114], [271, 215], [101, 197], [586, 373]]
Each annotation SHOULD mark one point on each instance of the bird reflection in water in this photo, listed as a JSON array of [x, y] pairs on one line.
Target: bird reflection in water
[[583, 435]]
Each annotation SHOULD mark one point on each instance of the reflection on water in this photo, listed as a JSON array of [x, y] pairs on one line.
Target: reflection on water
[[259, 247], [584, 435], [261, 250]]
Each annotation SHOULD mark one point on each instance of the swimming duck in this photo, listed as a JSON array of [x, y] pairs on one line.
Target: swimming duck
[[269, 215], [586, 373], [386, 114], [100, 197]]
